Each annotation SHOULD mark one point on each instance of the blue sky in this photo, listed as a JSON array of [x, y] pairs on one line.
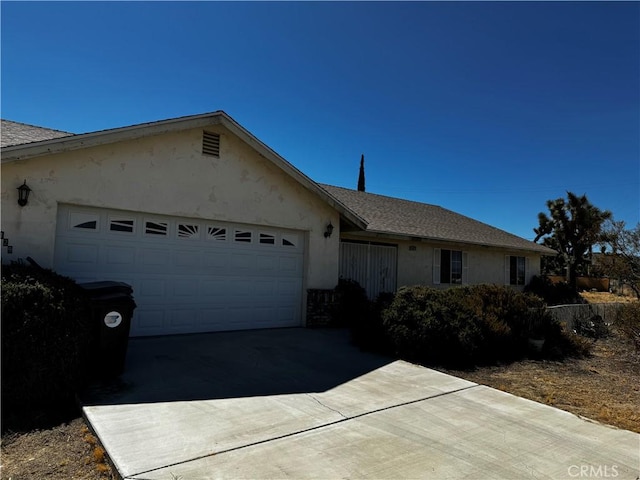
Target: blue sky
[[486, 108]]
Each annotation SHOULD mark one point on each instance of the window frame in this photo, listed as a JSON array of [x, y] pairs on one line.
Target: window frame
[[517, 277], [444, 275]]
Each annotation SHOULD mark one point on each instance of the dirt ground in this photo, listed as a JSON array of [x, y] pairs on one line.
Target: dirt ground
[[68, 451], [604, 387]]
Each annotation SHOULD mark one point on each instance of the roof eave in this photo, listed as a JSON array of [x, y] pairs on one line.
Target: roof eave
[[403, 236], [293, 172], [104, 137]]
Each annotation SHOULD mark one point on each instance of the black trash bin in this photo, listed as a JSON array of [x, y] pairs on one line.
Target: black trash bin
[[112, 307]]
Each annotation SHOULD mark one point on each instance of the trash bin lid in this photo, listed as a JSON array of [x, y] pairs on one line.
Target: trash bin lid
[[106, 287], [113, 298]]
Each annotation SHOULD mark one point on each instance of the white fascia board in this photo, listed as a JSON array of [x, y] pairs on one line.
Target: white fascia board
[[292, 171], [539, 249]]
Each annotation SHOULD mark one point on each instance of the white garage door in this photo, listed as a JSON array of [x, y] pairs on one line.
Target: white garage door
[[188, 275]]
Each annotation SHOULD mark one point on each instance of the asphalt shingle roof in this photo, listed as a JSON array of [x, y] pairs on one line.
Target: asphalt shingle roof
[[414, 219], [16, 133]]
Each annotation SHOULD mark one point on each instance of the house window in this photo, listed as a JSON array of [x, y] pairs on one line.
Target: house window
[[516, 269], [450, 266]]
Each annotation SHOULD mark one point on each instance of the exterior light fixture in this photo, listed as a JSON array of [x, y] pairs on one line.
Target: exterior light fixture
[[329, 231], [23, 194]]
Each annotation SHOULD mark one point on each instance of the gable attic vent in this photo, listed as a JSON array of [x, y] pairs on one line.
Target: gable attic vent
[[211, 144]]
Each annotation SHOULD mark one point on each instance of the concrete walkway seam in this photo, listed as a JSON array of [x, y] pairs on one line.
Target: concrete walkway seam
[[292, 434]]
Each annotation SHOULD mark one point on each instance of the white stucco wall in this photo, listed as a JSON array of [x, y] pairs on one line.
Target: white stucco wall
[[415, 261], [166, 174], [486, 265]]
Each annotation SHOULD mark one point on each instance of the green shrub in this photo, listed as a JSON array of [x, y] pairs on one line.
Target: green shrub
[[428, 325], [628, 323], [553, 293], [45, 339], [466, 326]]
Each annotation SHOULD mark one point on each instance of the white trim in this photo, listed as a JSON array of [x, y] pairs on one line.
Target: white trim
[[465, 268], [507, 269], [437, 252]]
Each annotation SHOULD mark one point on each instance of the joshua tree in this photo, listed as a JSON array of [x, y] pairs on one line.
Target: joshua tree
[[572, 229], [621, 254]]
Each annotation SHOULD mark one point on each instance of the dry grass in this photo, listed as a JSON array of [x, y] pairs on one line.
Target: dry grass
[[68, 451], [606, 297]]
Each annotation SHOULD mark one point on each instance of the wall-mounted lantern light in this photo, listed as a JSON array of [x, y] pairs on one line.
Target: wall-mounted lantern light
[[329, 231], [23, 194]]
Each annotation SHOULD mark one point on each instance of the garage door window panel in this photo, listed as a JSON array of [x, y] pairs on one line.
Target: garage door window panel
[[156, 228], [267, 238], [83, 221], [188, 231], [121, 225], [242, 236], [290, 240], [218, 234]]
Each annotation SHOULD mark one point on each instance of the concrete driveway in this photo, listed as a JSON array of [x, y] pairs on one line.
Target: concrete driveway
[[299, 403]]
